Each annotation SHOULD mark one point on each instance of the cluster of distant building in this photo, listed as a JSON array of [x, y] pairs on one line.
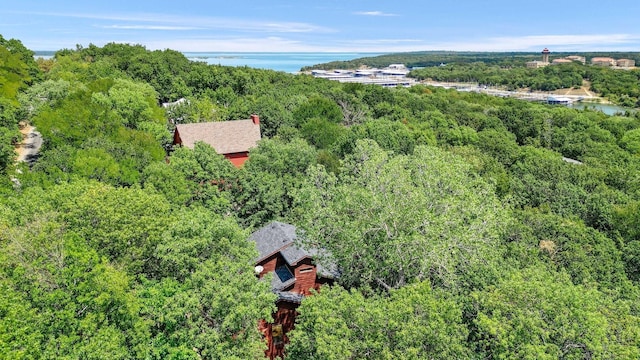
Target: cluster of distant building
[[607, 61], [396, 74], [600, 61], [391, 76]]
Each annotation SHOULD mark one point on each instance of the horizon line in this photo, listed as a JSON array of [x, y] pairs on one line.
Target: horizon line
[[374, 52]]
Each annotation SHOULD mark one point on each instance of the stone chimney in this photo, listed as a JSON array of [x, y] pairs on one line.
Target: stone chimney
[[255, 119]]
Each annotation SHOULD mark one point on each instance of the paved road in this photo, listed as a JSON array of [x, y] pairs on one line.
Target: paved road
[[30, 146]]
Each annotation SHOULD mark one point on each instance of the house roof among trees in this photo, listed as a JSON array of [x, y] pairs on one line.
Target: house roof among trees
[[277, 237], [226, 137], [289, 297]]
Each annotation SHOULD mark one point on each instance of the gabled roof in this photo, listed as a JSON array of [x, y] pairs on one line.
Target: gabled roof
[[277, 237], [226, 137]]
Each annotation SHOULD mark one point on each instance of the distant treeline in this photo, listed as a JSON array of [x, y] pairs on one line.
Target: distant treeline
[[435, 58], [508, 69], [619, 86]]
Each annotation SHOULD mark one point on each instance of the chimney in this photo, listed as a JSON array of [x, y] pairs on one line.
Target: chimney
[[255, 119]]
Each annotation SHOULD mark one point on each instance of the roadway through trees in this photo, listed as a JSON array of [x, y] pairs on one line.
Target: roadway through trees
[[30, 146]]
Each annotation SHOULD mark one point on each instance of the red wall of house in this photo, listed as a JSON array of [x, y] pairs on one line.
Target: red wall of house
[[305, 273], [269, 264], [237, 159], [285, 316]]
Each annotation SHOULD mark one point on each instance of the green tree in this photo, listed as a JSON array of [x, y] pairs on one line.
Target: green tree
[[587, 255], [14, 73], [9, 134], [390, 135], [538, 314], [270, 177], [124, 224], [19, 336], [211, 176], [631, 141], [16, 47], [393, 220], [541, 177], [414, 322], [169, 182], [48, 93], [321, 132], [78, 305], [318, 107], [75, 119], [209, 301], [133, 102]]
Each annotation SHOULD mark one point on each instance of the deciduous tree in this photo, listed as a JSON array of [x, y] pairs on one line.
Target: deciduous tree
[[393, 220]]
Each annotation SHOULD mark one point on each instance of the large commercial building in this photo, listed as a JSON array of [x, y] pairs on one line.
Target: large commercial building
[[625, 63], [603, 61], [561, 61]]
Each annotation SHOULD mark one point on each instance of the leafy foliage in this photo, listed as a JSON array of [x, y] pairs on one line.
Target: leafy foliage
[[536, 314], [392, 220], [413, 323], [462, 225], [270, 178]]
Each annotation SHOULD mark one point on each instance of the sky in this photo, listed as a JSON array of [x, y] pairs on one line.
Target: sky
[[326, 25]]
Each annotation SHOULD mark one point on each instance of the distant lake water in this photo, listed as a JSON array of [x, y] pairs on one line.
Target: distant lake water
[[290, 62], [605, 108]]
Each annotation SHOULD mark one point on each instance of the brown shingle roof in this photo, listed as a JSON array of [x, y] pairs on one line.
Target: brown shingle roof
[[226, 137]]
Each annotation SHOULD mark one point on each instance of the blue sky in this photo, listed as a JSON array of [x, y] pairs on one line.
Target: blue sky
[[326, 25]]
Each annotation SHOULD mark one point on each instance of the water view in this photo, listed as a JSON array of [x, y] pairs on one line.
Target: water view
[[608, 109], [290, 62]]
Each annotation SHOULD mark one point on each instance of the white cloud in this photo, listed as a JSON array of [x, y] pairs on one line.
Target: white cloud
[[590, 42], [558, 43], [374, 13], [149, 27], [564, 40], [200, 22], [382, 41], [244, 44], [286, 27]]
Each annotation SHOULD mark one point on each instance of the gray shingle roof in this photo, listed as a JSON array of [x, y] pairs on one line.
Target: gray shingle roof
[[293, 254], [330, 270], [280, 237], [289, 296], [226, 137]]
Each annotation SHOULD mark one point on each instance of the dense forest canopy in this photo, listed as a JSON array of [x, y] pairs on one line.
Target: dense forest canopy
[[458, 226]]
